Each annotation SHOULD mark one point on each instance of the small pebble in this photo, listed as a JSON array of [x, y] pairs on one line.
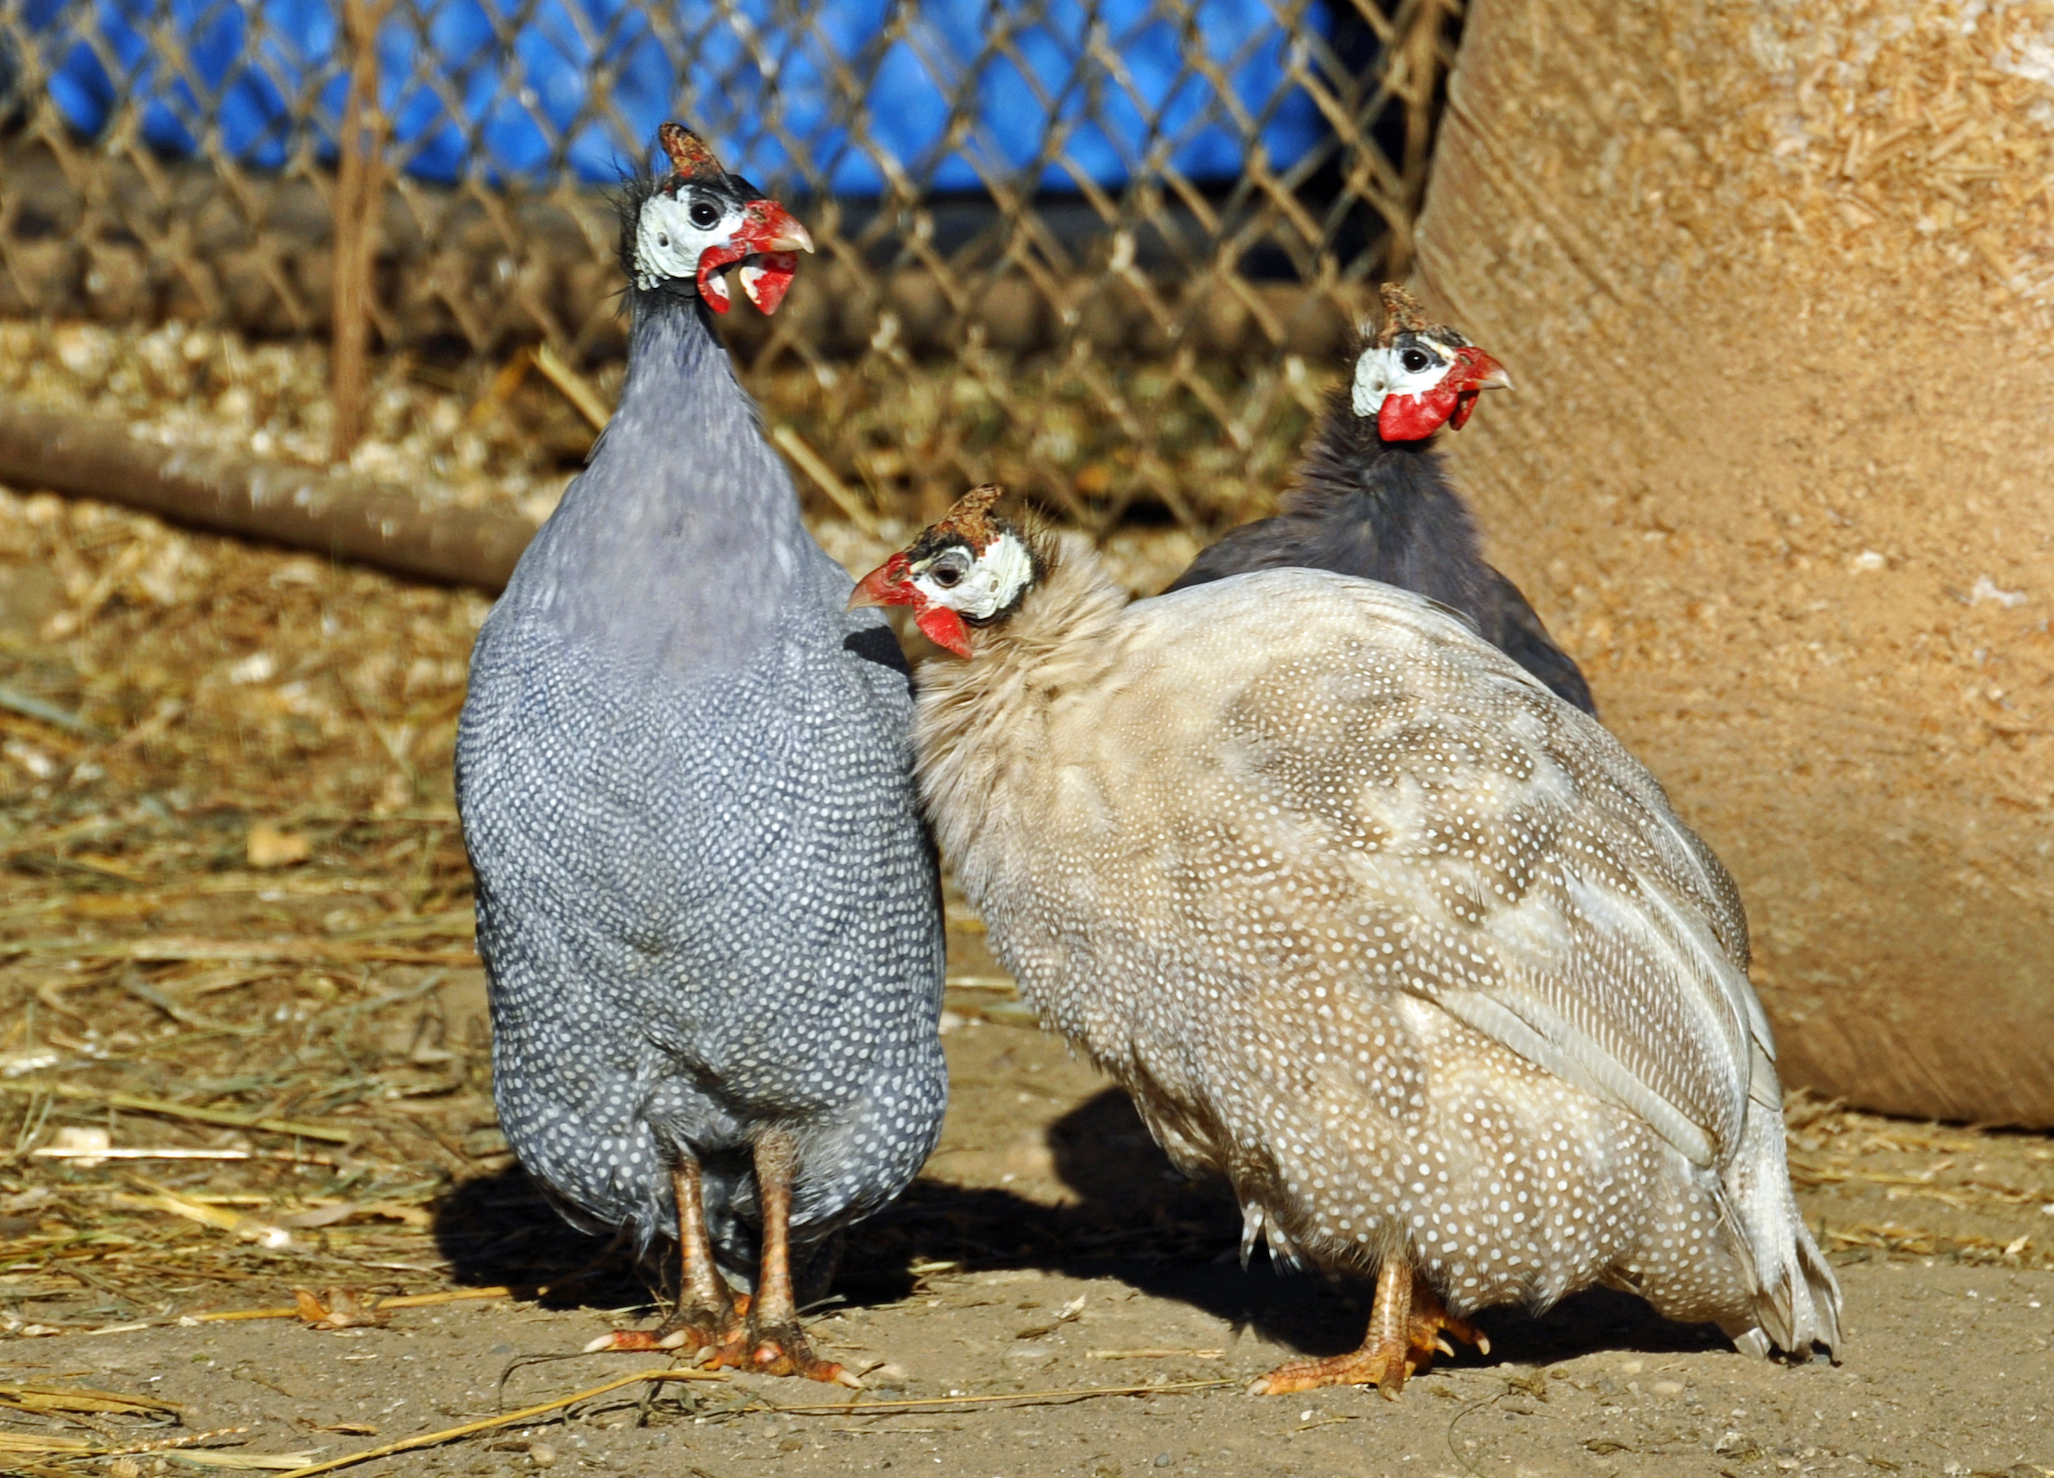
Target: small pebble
[[1163, 1460], [542, 1455]]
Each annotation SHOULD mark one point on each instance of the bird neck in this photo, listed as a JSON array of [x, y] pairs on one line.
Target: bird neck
[[1395, 497], [683, 533], [982, 725], [679, 375], [683, 467]]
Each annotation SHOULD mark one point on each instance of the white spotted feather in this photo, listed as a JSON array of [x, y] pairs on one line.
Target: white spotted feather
[[1370, 921]]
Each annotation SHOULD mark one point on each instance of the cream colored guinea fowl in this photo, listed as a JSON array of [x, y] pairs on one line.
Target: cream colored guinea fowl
[[1371, 922]]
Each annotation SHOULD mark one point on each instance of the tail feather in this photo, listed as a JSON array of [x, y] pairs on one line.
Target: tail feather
[[1796, 1297]]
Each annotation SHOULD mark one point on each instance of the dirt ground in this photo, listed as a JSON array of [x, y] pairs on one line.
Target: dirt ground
[[1050, 1248], [243, 1050]]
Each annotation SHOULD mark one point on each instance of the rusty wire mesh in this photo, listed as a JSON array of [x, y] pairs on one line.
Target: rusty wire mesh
[[1104, 250]]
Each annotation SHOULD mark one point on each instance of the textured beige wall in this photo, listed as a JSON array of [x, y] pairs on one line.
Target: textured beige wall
[[1776, 282]]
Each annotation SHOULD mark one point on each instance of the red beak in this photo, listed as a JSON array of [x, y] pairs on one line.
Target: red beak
[[886, 586], [765, 245], [1474, 373]]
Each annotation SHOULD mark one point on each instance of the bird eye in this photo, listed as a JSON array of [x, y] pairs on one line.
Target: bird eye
[[1414, 360], [704, 216], [948, 572]]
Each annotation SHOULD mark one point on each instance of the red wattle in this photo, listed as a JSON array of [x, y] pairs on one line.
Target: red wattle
[[712, 291], [945, 629], [1415, 417], [771, 236], [767, 279]]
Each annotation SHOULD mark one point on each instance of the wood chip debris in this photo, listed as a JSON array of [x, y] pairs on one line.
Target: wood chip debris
[[340, 1308]]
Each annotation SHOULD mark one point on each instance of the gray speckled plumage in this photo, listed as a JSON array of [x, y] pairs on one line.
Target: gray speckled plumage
[[706, 903]]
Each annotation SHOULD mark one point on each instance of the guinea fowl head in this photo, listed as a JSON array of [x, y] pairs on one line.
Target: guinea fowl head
[[968, 570], [1415, 377], [680, 230]]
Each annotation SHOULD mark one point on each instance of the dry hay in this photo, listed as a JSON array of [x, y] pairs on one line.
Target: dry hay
[[1996, 1190]]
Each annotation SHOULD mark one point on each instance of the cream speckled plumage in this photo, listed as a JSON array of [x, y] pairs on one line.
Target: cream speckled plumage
[[1367, 919]]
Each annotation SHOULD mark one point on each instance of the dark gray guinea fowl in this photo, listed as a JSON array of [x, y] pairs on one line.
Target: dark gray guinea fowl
[[707, 905], [1371, 498]]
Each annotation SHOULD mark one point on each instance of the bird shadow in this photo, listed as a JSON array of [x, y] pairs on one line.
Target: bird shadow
[[1134, 1218], [1104, 1154], [500, 1229]]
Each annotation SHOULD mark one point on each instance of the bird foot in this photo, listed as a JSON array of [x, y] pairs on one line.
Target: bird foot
[[1385, 1364], [637, 1341], [783, 1350], [697, 1326]]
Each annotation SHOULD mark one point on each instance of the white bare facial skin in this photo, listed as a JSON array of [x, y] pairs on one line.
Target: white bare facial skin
[[989, 584], [668, 244], [1382, 372]]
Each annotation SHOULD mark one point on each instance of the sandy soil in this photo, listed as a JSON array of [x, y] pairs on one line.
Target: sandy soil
[[1596, 1391], [1049, 1247]]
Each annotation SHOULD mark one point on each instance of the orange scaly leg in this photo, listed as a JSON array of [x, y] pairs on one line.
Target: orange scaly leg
[[1405, 1329], [707, 1316], [776, 1345]]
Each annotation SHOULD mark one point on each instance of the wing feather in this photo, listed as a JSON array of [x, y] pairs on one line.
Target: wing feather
[[1427, 810]]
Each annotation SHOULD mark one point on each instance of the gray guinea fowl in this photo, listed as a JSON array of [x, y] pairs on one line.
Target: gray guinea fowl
[[706, 904]]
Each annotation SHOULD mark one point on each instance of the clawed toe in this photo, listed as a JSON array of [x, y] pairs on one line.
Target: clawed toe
[[1431, 1327], [1385, 1367], [1407, 1329], [639, 1341], [786, 1352], [767, 1352], [700, 1325]]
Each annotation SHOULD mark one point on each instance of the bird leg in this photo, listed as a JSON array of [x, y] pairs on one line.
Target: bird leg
[[775, 1343], [1405, 1329], [706, 1316]]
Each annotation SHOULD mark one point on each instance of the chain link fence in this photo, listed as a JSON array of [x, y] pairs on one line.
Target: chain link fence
[[1106, 250]]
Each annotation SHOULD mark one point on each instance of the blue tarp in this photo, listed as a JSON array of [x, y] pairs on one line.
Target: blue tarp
[[1126, 98]]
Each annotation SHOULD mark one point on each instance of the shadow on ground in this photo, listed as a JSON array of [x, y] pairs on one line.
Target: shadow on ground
[[1133, 1218]]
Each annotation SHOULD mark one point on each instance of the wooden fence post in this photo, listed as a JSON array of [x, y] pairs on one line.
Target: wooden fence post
[[358, 195]]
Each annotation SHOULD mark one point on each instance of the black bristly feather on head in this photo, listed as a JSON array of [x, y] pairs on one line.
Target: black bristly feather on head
[[636, 186]]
